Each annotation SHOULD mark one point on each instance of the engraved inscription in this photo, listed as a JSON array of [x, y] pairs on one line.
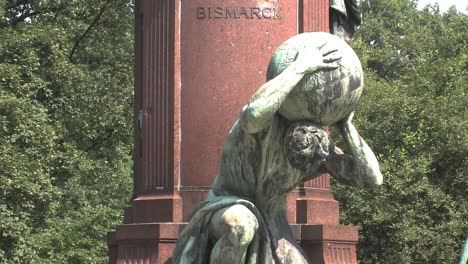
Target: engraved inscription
[[230, 12]]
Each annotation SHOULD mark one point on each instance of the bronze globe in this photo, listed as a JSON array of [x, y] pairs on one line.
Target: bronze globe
[[324, 97]]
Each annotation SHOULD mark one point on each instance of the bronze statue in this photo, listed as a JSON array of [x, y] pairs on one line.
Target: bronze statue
[[277, 143]]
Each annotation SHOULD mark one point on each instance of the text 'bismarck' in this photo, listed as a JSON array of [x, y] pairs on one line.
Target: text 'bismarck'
[[238, 12]]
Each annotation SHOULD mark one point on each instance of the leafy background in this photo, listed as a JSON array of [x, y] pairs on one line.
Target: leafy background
[[413, 114], [66, 76]]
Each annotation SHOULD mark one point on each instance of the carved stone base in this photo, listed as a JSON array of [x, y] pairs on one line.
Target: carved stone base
[[154, 209], [328, 244], [153, 243], [313, 207], [142, 243]]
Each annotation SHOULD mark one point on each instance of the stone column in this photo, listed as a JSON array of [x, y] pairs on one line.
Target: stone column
[[150, 230], [157, 113]]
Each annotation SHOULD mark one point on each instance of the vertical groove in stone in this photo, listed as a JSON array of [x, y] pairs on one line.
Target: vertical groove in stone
[[146, 95], [156, 96], [159, 87], [136, 255], [169, 106], [339, 254], [349, 255], [315, 15], [165, 94], [322, 182], [153, 89]]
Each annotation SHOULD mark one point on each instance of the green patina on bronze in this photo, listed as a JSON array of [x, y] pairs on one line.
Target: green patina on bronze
[[323, 97], [277, 143]]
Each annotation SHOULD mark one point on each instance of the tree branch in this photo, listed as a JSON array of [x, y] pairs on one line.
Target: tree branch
[[23, 17], [97, 143], [21, 2], [17, 16], [96, 19]]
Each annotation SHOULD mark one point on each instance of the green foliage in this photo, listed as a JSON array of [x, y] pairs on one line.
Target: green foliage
[[413, 114], [66, 77]]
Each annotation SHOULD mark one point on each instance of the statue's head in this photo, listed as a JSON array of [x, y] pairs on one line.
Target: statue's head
[[306, 145], [324, 97]]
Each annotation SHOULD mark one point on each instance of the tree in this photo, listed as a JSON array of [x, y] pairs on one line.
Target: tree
[[66, 76], [413, 113]]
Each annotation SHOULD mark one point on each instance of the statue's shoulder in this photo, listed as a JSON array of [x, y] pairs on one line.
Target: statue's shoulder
[[237, 136]]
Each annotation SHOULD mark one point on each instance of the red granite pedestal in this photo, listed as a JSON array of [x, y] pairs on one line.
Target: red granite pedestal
[[197, 63]]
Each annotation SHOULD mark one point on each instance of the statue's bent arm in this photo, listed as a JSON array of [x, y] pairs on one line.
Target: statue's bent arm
[[360, 168], [269, 97], [267, 100]]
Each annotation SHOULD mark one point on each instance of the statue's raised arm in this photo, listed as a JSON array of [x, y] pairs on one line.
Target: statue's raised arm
[[360, 168], [269, 97]]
